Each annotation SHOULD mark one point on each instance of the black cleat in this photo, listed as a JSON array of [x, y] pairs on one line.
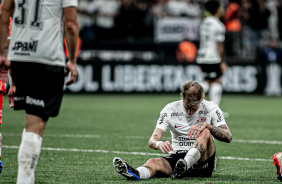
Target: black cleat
[[180, 169], [125, 170]]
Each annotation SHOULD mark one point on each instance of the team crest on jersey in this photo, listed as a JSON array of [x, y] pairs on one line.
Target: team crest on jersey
[[201, 120]]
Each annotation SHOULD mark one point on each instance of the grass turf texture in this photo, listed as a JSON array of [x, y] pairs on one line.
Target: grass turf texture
[[125, 123]]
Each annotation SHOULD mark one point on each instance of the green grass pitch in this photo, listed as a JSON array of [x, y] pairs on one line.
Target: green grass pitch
[[80, 144]]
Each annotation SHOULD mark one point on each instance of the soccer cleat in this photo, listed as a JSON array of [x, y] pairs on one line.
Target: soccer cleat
[[180, 169], [125, 170], [1, 166], [277, 160]]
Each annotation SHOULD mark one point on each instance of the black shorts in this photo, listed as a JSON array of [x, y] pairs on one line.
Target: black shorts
[[39, 88], [203, 170], [211, 71]]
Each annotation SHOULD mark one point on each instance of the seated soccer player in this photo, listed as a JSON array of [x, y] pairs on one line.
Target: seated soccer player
[[193, 123]]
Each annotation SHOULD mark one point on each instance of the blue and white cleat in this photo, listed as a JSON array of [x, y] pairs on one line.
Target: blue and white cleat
[[180, 169], [125, 170], [1, 166]]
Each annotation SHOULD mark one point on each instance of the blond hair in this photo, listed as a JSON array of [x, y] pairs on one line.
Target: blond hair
[[193, 93]]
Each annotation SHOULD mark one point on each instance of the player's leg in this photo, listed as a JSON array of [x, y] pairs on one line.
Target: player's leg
[[30, 147], [158, 166], [205, 71], [150, 169], [204, 148], [215, 92]]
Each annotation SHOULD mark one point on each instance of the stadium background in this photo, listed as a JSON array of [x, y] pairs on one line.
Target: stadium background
[[129, 46], [124, 82]]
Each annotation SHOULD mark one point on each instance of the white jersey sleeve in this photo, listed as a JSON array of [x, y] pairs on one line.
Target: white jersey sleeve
[[69, 3], [217, 118], [38, 31], [162, 122]]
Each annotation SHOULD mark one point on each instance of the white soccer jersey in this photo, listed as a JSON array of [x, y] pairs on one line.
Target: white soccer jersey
[[211, 31], [175, 117], [37, 31]]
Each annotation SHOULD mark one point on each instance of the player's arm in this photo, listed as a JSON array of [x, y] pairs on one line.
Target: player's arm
[[156, 143], [221, 133], [7, 9], [220, 47], [71, 29]]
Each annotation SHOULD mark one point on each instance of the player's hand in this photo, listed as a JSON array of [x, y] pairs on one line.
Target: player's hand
[[195, 130], [223, 66], [165, 147], [4, 67], [71, 67], [11, 94]]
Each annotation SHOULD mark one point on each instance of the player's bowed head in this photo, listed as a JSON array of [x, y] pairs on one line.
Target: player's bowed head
[[192, 94]]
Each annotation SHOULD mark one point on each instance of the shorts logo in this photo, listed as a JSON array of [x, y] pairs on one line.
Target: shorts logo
[[18, 98], [32, 101]]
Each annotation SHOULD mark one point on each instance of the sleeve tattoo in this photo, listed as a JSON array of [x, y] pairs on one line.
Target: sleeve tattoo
[[157, 136], [221, 133]]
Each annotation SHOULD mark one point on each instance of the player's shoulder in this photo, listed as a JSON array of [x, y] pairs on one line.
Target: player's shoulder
[[210, 105], [174, 105], [214, 22]]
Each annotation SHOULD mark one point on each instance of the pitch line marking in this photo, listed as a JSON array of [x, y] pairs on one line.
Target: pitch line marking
[[131, 153], [140, 137]]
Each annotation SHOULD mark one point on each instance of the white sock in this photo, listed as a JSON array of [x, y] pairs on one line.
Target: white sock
[[24, 131], [215, 93], [205, 86], [192, 157], [144, 173], [27, 157]]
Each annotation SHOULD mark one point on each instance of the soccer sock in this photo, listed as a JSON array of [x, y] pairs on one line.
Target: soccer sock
[[24, 131], [205, 86], [27, 157], [192, 157], [144, 173], [215, 93]]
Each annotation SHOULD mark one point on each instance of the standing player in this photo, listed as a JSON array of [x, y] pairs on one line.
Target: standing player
[[210, 53], [193, 122], [38, 67]]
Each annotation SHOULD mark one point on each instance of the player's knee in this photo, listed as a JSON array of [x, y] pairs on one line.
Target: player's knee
[[205, 134], [155, 163]]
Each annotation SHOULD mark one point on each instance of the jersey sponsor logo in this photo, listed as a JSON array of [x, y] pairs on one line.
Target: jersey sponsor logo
[[175, 126], [177, 114], [161, 117], [219, 116], [185, 141], [25, 46], [37, 102], [203, 112]]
